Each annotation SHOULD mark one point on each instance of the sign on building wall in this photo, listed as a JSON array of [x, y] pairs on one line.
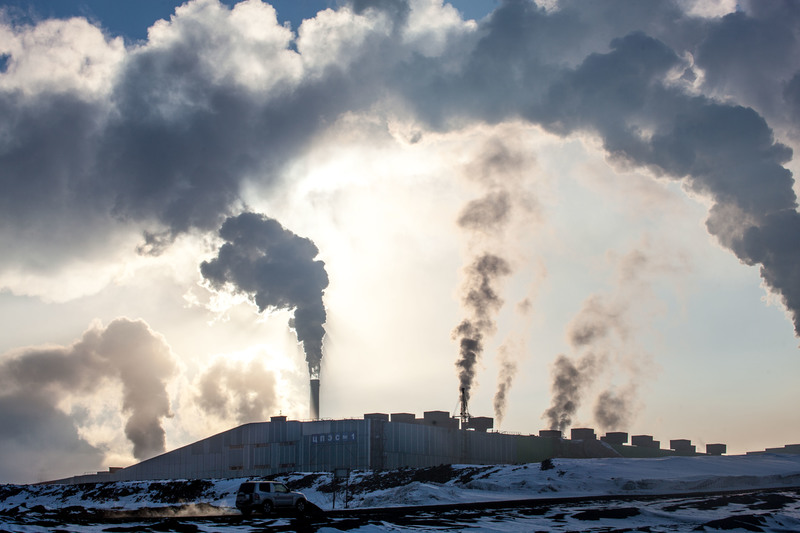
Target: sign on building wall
[[333, 438]]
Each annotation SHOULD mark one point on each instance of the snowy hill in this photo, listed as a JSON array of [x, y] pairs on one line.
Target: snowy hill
[[444, 484], [399, 500]]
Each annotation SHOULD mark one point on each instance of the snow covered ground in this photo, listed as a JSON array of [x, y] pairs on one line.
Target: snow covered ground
[[208, 505]]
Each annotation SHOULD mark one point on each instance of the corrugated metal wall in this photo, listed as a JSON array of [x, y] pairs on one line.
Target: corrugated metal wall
[[265, 448], [331, 444], [418, 445]]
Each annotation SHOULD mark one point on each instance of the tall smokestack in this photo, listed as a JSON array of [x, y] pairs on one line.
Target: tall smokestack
[[314, 404], [277, 270], [464, 409]]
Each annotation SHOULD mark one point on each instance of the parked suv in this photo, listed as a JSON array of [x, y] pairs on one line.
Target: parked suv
[[265, 496]]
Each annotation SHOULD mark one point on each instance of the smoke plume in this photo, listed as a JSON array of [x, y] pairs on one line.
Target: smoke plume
[[487, 212], [277, 270], [569, 379], [508, 355], [144, 362], [598, 318], [500, 169], [242, 391], [613, 409], [482, 301], [603, 338], [39, 380], [505, 378]]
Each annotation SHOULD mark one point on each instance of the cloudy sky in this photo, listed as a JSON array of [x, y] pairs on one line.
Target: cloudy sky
[[584, 214]]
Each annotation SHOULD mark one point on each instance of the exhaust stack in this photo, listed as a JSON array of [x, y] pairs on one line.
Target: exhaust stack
[[464, 416], [314, 404]]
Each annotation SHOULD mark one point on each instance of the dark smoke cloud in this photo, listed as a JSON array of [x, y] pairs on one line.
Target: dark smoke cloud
[[629, 96], [167, 147], [500, 168], [791, 94], [171, 142], [36, 381], [752, 55], [569, 379], [243, 391], [487, 212], [613, 409], [482, 301], [278, 270], [725, 152]]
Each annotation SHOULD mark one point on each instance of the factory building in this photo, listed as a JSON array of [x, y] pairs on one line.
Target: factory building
[[378, 441], [789, 448], [582, 434], [682, 446], [615, 437]]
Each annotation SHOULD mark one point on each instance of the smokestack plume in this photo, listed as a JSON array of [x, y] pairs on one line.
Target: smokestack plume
[[501, 168], [482, 301], [314, 401], [277, 270], [505, 378], [603, 334], [613, 409], [569, 378]]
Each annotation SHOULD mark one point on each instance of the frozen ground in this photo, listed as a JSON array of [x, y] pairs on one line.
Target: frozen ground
[[207, 505]]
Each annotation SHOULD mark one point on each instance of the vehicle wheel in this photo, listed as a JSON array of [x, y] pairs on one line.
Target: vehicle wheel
[[300, 506], [267, 507]]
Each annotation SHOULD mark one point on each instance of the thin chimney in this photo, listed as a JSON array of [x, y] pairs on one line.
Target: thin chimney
[[314, 404]]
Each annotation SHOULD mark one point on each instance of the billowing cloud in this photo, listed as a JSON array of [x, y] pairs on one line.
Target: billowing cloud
[[751, 56], [243, 391], [168, 132], [37, 382], [108, 149], [164, 134], [278, 270]]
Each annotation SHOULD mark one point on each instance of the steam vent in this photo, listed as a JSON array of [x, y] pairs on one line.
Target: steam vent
[[377, 441]]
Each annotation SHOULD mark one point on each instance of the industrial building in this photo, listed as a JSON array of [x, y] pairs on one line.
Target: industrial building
[[375, 442], [789, 449]]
